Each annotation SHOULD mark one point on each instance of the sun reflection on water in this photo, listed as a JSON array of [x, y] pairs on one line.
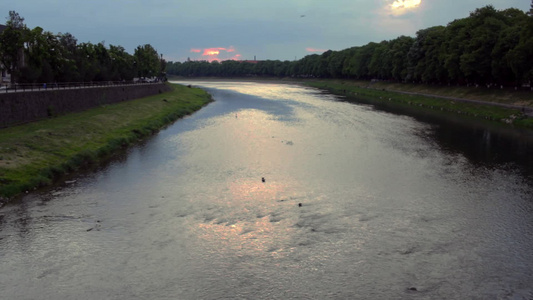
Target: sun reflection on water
[[257, 222]]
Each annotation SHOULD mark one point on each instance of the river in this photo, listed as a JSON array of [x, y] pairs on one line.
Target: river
[[358, 202]]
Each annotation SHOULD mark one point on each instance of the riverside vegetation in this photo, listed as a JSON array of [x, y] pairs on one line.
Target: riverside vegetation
[[424, 97], [38, 154], [411, 95], [484, 57], [36, 56], [489, 47]]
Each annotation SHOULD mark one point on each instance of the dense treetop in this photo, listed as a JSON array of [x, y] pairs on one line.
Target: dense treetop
[[35, 55], [488, 47]]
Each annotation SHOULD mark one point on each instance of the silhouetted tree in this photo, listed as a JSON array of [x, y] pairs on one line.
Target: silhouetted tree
[[12, 44]]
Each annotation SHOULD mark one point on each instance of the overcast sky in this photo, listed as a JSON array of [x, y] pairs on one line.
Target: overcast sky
[[242, 29]]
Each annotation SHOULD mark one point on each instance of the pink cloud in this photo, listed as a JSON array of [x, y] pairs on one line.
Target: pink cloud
[[217, 53], [212, 51], [309, 49]]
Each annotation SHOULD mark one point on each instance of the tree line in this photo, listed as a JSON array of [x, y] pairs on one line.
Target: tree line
[[39, 56], [488, 47]]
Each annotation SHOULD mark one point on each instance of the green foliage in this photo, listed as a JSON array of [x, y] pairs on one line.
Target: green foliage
[[37, 154], [147, 61], [11, 44], [425, 58], [38, 56], [359, 93], [488, 47]]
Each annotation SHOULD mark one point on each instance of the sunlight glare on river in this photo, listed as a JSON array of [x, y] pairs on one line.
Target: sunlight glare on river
[[357, 203]]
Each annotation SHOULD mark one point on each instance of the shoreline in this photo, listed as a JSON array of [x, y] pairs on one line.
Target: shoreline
[[494, 111], [38, 154], [527, 110], [508, 114]]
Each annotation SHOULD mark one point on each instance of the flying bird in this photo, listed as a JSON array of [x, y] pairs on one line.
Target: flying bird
[[302, 16]]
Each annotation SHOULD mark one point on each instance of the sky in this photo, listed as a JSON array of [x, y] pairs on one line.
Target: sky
[[242, 29]]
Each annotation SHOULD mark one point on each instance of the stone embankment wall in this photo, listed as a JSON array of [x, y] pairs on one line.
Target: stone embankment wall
[[23, 107]]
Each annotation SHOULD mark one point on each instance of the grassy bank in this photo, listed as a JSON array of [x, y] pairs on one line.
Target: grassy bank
[[494, 94], [381, 92], [37, 154]]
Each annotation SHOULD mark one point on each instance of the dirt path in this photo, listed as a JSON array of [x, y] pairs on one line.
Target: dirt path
[[528, 111]]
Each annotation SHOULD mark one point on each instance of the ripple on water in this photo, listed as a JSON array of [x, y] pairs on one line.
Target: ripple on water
[[390, 210]]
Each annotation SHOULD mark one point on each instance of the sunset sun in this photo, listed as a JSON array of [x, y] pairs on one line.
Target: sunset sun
[[398, 4]]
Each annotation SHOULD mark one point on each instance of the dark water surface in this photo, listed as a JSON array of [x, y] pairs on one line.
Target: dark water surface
[[390, 203]]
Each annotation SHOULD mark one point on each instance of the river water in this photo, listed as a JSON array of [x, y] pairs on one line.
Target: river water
[[358, 202]]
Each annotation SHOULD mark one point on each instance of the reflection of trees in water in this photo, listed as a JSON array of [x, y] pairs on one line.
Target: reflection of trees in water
[[480, 142], [487, 146]]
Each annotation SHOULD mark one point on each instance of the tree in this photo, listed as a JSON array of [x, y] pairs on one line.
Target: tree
[[430, 67], [359, 62], [476, 61], [122, 67], [489, 46], [40, 57], [15, 20], [12, 44], [519, 58], [67, 49], [335, 63], [456, 33], [398, 51], [380, 61], [102, 61], [503, 56], [147, 61], [86, 61]]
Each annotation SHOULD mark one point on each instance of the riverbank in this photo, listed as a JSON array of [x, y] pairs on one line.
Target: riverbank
[[20, 107], [38, 154], [506, 106], [510, 108]]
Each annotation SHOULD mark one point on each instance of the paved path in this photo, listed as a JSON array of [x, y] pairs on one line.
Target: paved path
[[51, 87], [528, 111]]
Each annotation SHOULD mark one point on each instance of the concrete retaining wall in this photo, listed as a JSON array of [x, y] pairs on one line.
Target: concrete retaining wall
[[23, 107]]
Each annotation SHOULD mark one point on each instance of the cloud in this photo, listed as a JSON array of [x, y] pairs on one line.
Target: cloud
[[271, 29], [398, 17], [216, 53], [405, 4], [401, 7], [309, 49], [212, 51]]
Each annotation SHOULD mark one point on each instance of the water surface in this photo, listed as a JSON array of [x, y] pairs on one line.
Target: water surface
[[390, 203]]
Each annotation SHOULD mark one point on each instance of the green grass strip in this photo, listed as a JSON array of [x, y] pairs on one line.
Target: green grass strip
[[357, 90], [37, 154]]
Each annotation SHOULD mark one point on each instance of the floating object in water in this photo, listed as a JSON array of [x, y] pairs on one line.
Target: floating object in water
[[96, 226]]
